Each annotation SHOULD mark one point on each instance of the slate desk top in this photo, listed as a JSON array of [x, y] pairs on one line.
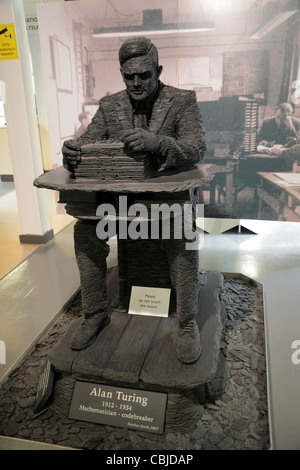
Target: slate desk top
[[165, 182]]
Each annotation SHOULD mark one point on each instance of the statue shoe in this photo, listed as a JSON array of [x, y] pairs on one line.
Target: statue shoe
[[189, 345], [87, 332]]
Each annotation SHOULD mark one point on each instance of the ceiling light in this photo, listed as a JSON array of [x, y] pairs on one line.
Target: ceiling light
[[153, 25], [110, 33], [273, 14], [272, 24]]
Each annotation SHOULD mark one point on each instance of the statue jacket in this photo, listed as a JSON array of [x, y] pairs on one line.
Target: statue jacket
[[175, 119]]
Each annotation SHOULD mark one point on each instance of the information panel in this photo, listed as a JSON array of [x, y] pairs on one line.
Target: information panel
[[118, 406], [8, 42], [45, 387]]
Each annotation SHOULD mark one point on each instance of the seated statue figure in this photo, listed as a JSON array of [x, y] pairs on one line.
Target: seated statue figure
[[165, 123]]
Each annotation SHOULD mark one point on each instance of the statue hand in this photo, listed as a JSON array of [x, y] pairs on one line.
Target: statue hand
[[139, 140], [71, 154]]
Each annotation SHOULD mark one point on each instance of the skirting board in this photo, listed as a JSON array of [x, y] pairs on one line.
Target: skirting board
[[37, 239], [7, 178]]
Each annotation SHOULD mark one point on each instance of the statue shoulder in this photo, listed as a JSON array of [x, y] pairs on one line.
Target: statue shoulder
[[108, 99], [179, 95], [178, 91]]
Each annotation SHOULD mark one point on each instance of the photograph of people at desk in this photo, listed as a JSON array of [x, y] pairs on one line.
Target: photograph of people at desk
[[279, 191], [244, 169], [279, 132], [244, 72]]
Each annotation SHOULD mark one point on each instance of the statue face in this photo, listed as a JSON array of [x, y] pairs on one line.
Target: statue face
[[140, 76]]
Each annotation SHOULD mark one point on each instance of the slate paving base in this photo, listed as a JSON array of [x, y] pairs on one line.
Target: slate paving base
[[237, 421]]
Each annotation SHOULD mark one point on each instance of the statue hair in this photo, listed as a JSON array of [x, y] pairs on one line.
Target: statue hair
[[137, 46]]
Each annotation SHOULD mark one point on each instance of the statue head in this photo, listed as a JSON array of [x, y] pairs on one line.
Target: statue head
[[140, 69]]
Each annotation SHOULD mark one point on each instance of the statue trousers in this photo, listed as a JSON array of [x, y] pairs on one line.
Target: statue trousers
[[91, 253]]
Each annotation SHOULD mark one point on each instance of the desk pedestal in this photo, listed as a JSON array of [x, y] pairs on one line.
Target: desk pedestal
[[139, 352], [136, 351]]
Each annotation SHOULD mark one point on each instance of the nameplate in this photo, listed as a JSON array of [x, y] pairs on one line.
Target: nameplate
[[118, 406], [152, 301]]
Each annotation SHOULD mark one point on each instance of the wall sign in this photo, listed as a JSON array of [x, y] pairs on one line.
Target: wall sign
[[8, 42], [117, 406], [31, 23]]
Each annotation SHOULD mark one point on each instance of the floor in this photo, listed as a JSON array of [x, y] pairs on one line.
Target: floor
[[40, 280], [12, 252]]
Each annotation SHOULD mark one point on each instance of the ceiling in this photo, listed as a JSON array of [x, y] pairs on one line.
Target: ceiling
[[124, 12]]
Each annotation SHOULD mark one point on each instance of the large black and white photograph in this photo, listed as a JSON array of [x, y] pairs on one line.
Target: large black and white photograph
[[150, 235], [240, 58]]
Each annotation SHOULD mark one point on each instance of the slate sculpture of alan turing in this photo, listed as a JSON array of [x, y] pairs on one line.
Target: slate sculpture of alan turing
[[163, 123]]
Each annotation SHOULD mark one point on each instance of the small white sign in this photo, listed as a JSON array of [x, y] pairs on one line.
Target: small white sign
[[151, 301], [2, 352], [31, 23]]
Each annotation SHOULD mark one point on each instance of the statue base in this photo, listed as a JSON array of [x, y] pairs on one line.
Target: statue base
[[139, 352]]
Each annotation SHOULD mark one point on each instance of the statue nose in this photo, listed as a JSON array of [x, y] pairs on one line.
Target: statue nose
[[136, 80]]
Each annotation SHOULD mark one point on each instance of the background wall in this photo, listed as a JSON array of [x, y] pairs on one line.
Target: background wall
[[5, 160]]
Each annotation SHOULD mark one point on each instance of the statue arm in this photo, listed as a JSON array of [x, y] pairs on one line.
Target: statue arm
[[95, 131], [188, 146]]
